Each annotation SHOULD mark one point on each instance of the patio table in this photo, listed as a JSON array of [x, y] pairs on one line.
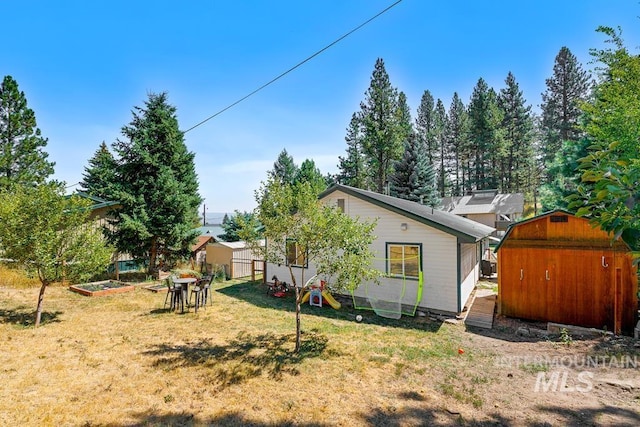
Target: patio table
[[184, 285]]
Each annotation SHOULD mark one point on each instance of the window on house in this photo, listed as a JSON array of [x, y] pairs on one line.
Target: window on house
[[341, 205], [559, 218], [296, 256], [403, 260]]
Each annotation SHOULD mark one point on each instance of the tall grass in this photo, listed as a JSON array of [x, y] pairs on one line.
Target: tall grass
[[15, 277]]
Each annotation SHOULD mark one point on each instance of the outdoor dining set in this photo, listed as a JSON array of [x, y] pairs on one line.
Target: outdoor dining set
[[179, 295]]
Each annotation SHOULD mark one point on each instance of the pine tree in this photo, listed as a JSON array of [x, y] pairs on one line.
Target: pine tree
[[440, 116], [567, 88], [457, 141], [231, 225], [425, 125], [484, 135], [516, 151], [413, 177], [382, 139], [157, 186], [22, 159], [352, 170], [99, 176], [284, 168], [308, 172]]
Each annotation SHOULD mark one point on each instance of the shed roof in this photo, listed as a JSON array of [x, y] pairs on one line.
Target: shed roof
[[539, 217], [201, 241], [465, 229], [484, 201], [235, 245]]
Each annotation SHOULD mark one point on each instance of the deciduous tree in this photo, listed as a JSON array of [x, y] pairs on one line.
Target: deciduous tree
[[51, 236], [609, 192], [336, 244]]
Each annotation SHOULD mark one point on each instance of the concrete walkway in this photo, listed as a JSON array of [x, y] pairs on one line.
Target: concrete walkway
[[480, 314]]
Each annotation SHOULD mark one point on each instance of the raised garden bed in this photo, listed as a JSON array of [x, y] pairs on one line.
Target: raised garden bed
[[105, 287]]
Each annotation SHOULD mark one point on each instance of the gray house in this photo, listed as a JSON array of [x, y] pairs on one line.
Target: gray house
[[487, 207]]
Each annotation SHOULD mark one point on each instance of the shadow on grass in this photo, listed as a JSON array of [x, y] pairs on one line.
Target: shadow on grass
[[26, 318], [247, 356], [255, 293], [233, 419]]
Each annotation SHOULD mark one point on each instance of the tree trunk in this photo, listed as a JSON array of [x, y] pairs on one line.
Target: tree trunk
[[39, 308], [298, 328]]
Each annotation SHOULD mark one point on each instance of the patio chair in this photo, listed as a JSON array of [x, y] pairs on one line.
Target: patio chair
[[171, 292], [205, 288], [197, 291]]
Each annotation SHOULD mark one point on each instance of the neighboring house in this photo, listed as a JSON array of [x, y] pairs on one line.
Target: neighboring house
[[199, 250], [410, 239], [487, 207], [236, 258], [557, 267], [100, 209]]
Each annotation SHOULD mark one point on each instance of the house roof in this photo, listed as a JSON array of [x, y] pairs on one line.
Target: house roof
[[98, 202], [484, 201], [201, 241], [465, 229]]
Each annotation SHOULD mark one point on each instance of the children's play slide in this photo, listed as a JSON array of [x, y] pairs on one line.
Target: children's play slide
[[326, 297]]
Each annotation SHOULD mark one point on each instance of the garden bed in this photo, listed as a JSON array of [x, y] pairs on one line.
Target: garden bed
[[105, 287]]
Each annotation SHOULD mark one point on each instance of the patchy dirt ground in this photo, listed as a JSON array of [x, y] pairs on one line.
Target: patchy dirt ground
[[554, 380]]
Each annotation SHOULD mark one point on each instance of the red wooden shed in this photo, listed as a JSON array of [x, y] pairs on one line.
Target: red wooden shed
[[557, 267]]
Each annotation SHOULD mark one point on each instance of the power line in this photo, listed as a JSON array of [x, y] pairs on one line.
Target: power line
[[292, 68]]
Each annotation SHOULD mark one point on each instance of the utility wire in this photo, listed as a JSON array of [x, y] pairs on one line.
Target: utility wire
[[292, 68]]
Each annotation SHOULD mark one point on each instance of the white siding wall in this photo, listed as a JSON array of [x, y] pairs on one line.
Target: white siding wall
[[438, 253], [469, 270], [282, 271]]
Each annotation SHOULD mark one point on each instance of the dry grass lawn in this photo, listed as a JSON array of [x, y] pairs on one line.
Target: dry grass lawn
[[123, 360]]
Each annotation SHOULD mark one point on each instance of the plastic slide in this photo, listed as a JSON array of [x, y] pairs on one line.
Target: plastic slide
[[327, 298]]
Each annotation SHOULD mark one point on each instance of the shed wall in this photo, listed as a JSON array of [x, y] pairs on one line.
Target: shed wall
[[567, 272]]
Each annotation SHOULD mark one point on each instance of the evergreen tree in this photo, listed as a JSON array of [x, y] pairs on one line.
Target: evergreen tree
[[352, 166], [413, 177], [516, 151], [308, 172], [457, 141], [284, 168], [405, 126], [99, 178], [425, 125], [567, 89], [231, 225], [157, 186], [484, 135], [440, 128], [22, 159], [382, 139]]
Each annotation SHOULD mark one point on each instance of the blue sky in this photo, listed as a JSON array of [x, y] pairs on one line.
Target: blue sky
[[84, 65]]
